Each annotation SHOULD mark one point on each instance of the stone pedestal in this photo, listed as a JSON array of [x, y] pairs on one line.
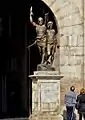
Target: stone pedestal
[[45, 91]]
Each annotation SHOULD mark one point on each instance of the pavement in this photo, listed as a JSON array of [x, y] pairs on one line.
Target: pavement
[[48, 116]]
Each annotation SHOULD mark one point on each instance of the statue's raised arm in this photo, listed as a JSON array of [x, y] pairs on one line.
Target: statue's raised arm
[[31, 17]]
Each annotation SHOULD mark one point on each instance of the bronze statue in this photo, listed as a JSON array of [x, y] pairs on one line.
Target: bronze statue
[[51, 42], [46, 41], [41, 35]]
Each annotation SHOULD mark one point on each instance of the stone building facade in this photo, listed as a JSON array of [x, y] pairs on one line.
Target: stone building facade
[[70, 19]]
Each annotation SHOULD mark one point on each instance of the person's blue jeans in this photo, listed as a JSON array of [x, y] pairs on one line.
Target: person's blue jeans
[[69, 112]]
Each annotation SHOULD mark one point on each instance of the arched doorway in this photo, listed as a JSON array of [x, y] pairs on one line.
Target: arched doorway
[[17, 62], [39, 10]]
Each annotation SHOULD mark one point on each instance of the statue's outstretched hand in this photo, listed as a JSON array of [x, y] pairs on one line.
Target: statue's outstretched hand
[[31, 12]]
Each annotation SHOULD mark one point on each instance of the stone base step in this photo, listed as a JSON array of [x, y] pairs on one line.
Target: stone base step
[[45, 116], [52, 116]]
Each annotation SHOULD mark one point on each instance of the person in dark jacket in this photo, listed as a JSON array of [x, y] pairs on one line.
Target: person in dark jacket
[[81, 104], [70, 101]]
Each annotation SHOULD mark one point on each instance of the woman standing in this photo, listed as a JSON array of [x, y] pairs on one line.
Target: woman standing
[[81, 104]]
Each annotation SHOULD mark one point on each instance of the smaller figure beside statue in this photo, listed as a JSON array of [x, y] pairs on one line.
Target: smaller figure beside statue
[[46, 40]]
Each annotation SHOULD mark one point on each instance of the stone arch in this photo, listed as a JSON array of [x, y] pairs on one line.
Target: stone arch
[[69, 15], [53, 4], [56, 6], [65, 12]]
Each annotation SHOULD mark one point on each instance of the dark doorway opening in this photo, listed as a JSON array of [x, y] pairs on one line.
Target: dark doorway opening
[[17, 62]]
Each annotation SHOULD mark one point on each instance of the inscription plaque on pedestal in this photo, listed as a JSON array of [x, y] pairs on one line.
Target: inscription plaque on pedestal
[[50, 96]]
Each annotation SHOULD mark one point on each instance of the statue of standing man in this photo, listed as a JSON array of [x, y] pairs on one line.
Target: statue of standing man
[[51, 42], [46, 40], [41, 35]]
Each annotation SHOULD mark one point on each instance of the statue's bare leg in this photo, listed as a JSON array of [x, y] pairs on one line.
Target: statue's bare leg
[[43, 55], [48, 49], [53, 51], [49, 60], [50, 54], [40, 50]]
